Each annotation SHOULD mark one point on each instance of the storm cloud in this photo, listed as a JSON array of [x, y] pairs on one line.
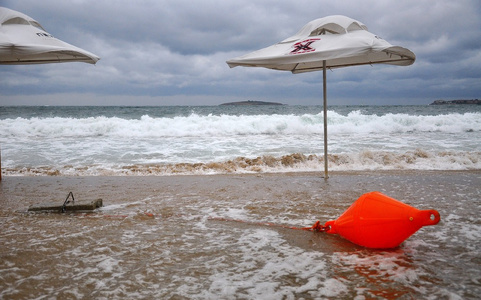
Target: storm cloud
[[174, 53]]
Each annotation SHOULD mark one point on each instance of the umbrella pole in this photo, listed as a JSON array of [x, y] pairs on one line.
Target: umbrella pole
[[325, 117]]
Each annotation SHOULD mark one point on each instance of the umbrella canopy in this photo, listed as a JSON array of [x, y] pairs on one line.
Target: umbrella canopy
[[24, 41], [339, 40], [330, 42]]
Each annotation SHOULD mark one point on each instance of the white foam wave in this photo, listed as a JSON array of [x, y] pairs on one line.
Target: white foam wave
[[212, 144], [366, 160], [225, 125]]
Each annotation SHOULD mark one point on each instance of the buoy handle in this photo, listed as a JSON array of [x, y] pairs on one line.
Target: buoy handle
[[430, 217], [330, 227]]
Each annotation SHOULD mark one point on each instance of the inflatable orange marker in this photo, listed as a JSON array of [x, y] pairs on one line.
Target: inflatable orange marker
[[378, 221]]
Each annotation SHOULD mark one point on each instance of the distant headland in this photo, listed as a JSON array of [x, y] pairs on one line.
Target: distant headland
[[449, 102], [250, 102]]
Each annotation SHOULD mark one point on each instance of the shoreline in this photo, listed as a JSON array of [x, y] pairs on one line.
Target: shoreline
[[369, 161], [23, 191], [258, 174]]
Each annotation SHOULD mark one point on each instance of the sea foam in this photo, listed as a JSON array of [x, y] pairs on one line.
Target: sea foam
[[225, 125], [238, 143]]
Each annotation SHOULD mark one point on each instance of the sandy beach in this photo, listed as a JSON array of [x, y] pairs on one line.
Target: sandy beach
[[155, 238]]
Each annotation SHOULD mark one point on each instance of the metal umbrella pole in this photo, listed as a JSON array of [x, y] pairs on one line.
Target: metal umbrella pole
[[325, 117]]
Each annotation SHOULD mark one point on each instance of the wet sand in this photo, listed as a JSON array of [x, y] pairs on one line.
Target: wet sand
[[155, 238]]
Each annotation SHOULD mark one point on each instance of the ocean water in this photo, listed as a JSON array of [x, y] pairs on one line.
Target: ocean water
[[177, 237], [170, 140]]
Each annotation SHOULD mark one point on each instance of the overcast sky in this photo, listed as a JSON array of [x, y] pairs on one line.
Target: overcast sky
[[156, 52]]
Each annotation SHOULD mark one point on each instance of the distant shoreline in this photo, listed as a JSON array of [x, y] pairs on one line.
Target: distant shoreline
[[250, 102], [449, 102]]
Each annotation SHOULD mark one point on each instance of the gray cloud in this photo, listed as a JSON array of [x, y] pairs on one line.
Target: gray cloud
[[166, 52]]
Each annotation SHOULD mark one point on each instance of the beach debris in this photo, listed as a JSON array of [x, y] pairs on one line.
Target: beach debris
[[378, 221], [372, 221], [68, 205]]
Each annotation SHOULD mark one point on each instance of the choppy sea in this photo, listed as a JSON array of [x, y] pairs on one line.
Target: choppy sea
[[213, 237], [170, 140]]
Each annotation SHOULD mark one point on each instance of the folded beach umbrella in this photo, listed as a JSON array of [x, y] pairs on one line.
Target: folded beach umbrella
[[327, 43], [24, 41]]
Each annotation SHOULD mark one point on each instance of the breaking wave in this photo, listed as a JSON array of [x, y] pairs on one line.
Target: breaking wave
[[238, 143], [367, 160], [227, 125]]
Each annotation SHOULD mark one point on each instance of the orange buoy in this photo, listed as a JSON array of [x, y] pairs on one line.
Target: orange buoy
[[378, 221]]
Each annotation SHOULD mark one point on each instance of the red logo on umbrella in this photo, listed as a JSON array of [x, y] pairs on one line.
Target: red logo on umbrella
[[304, 46]]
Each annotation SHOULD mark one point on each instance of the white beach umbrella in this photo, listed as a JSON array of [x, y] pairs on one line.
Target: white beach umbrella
[[24, 41], [327, 43]]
